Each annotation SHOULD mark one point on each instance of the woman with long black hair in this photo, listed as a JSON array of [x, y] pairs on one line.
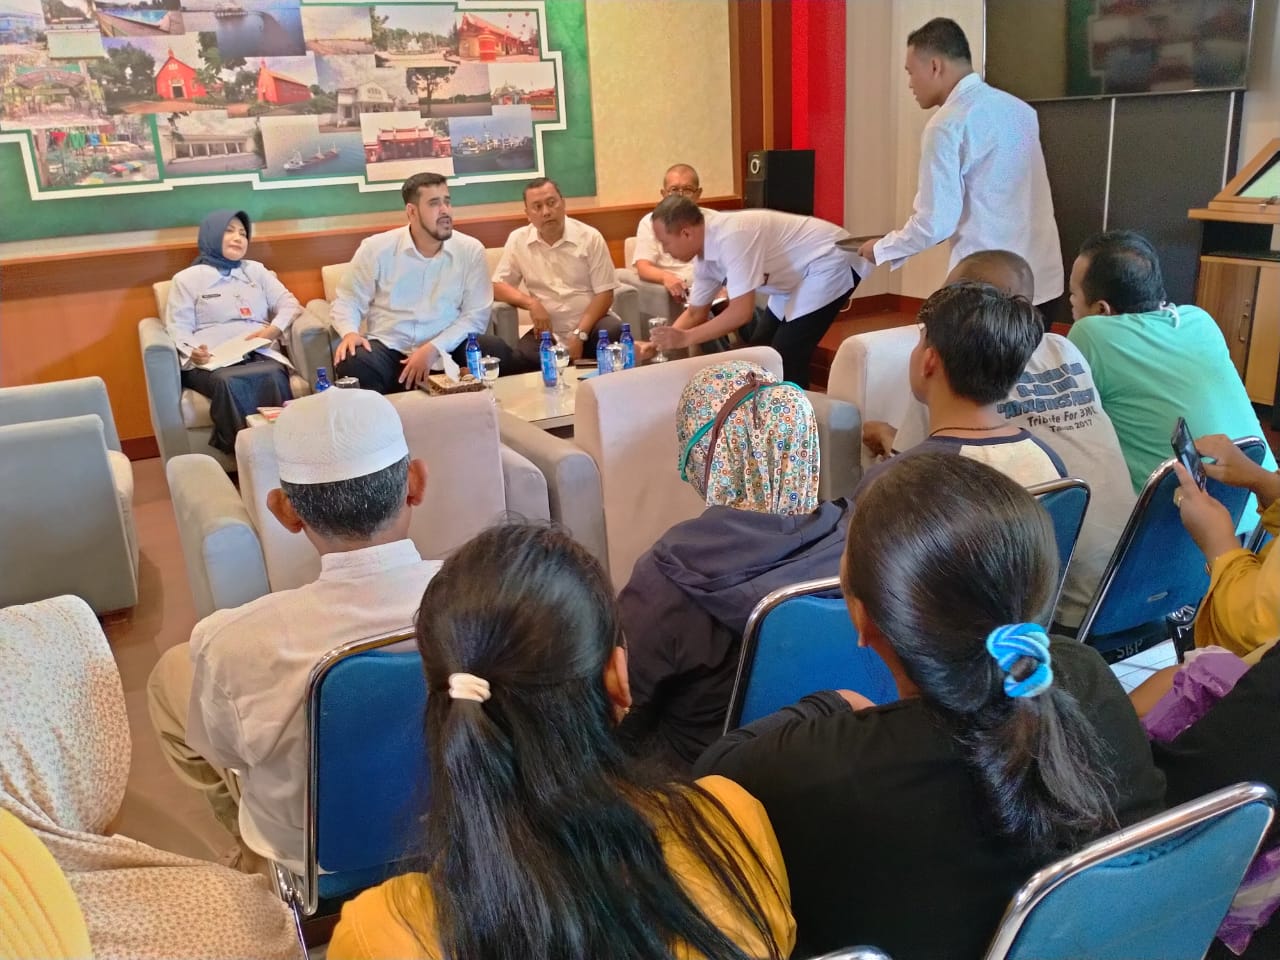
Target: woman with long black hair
[[543, 840], [909, 825]]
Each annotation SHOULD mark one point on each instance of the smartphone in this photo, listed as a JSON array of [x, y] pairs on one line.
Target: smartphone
[[1184, 448]]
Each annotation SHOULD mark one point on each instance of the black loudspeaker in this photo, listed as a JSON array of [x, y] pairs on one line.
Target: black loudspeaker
[[780, 180]]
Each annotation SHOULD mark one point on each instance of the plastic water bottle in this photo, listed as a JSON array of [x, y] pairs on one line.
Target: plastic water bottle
[[550, 376], [603, 358], [322, 379], [628, 347], [473, 357]]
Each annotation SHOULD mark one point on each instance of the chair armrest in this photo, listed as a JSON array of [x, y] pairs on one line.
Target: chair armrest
[[219, 543], [840, 442], [62, 529], [652, 300], [626, 304], [524, 485], [164, 387], [504, 323], [310, 341], [573, 481]]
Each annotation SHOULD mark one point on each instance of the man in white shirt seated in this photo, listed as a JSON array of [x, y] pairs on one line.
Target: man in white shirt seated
[[416, 292], [1056, 400], [232, 698], [793, 258], [982, 181], [567, 272], [974, 344], [648, 258]]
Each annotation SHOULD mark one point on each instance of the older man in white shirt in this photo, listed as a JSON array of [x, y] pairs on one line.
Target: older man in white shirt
[[792, 258], [417, 292], [649, 260], [982, 182], [232, 698], [567, 273]]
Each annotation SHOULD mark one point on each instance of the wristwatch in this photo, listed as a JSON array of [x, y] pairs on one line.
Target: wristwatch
[[583, 335]]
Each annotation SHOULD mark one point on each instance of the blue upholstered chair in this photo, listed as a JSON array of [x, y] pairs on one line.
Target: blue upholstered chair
[[1066, 502], [799, 639], [1157, 890], [367, 775], [1156, 567]]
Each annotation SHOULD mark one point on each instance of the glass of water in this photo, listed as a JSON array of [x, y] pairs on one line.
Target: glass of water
[[656, 323], [489, 368], [561, 355]]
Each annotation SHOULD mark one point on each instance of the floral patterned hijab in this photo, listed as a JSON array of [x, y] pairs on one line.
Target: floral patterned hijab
[[64, 763], [748, 441]]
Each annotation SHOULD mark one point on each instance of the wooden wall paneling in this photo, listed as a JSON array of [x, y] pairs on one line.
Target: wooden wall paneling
[[76, 315]]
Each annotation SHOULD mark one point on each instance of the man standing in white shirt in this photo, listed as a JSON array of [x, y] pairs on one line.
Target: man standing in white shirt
[[793, 258], [982, 182], [417, 292], [650, 261], [567, 274], [232, 698]]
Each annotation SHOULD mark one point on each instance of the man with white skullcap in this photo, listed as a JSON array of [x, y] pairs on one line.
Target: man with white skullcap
[[232, 698]]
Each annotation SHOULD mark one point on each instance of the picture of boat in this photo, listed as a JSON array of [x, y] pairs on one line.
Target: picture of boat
[[297, 162]]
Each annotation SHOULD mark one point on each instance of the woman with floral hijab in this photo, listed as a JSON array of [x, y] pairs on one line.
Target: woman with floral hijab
[[64, 762], [749, 447]]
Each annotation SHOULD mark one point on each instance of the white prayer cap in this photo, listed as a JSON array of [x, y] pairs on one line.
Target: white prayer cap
[[337, 435]]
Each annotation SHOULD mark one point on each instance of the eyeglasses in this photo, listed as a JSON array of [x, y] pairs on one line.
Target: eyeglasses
[[684, 191]]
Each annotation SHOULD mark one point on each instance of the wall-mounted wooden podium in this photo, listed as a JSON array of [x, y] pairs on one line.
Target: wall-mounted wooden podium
[[1239, 280]]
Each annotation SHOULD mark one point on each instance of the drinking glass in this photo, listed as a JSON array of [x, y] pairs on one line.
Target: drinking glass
[[654, 324], [489, 368], [561, 354]]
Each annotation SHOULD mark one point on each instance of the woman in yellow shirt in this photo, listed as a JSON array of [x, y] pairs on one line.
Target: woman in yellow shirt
[[542, 838], [1241, 611]]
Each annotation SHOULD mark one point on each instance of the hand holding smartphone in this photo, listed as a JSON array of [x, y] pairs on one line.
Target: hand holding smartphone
[[1184, 448]]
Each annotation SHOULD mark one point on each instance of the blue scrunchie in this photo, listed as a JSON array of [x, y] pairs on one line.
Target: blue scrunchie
[[1009, 644]]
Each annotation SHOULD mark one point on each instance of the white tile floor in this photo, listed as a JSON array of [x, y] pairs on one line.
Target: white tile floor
[[1142, 665]]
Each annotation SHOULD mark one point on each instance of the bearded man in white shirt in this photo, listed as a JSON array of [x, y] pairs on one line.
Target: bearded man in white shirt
[[232, 698], [982, 183], [417, 292], [567, 274]]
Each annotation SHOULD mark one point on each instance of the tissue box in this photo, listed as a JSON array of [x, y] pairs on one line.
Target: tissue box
[[439, 384]]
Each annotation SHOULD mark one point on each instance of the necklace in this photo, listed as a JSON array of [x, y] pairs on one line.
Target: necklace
[[997, 426]]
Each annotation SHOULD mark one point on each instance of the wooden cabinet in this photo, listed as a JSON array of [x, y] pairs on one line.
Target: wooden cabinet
[[1228, 290]]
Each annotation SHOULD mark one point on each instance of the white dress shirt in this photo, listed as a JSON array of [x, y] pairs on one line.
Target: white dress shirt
[[208, 307], [983, 186], [404, 299], [648, 248], [251, 668], [564, 276], [793, 258]]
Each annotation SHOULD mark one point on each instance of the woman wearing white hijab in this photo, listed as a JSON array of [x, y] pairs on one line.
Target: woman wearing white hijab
[[64, 762]]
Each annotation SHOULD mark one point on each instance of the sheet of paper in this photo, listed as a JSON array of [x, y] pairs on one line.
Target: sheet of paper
[[451, 369], [232, 351]]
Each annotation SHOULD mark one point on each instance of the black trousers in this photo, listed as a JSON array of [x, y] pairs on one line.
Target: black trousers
[[531, 342], [235, 392], [796, 339], [379, 367]]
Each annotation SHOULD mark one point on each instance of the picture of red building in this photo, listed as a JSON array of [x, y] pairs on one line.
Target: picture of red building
[[276, 88], [405, 143], [478, 39], [176, 80]]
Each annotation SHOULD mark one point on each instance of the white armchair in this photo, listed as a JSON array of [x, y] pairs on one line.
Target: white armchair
[[235, 550], [652, 298], [180, 417], [67, 523], [870, 370], [626, 423]]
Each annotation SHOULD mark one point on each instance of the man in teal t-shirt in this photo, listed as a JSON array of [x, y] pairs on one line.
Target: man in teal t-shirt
[[1152, 361]]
